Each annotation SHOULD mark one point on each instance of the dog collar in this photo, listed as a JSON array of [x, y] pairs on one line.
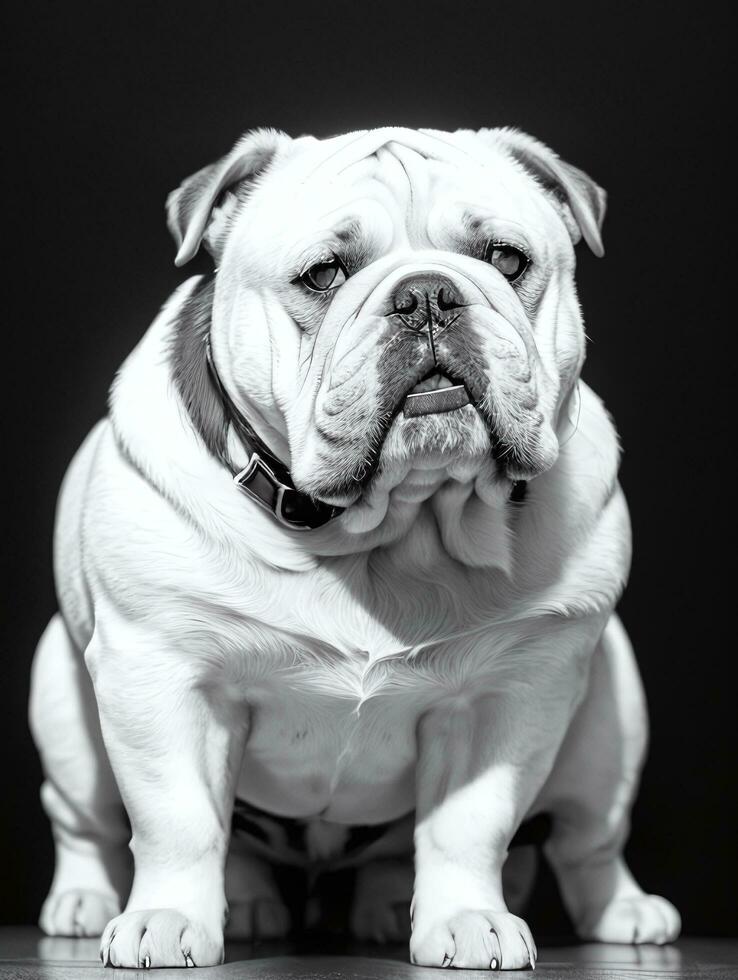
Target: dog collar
[[265, 478]]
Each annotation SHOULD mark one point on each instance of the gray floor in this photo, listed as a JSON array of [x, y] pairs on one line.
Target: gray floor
[[25, 954]]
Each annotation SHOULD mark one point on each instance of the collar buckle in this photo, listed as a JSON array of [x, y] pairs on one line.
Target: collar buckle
[[259, 482]]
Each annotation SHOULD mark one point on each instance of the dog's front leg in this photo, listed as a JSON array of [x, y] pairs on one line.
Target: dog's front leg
[[175, 742], [481, 762]]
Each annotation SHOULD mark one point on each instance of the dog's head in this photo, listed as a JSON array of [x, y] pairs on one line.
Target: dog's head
[[357, 272]]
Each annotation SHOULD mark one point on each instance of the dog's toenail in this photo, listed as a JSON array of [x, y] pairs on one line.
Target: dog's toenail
[[493, 964], [147, 963]]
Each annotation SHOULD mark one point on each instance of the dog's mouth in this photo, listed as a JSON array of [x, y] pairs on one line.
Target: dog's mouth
[[437, 391]]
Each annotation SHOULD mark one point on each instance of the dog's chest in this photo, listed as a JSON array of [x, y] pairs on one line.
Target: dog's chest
[[360, 650]]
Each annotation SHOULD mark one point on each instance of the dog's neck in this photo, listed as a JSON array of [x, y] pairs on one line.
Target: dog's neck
[[461, 506]]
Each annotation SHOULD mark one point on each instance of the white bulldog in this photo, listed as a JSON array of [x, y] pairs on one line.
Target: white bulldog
[[347, 549]]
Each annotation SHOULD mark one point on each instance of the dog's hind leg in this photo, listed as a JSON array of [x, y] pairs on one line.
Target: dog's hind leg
[[590, 793], [79, 795], [381, 906], [255, 907], [518, 877]]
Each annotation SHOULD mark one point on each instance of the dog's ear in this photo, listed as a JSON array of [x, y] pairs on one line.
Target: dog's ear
[[199, 210], [585, 200]]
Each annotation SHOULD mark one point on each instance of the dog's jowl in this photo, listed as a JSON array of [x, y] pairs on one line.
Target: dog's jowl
[[337, 573]]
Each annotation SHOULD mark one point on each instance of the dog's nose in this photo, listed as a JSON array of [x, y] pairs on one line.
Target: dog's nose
[[424, 300]]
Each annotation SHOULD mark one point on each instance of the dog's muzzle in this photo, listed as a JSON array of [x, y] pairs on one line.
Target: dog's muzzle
[[428, 304]]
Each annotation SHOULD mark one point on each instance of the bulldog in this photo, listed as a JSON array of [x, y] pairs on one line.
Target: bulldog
[[337, 572]]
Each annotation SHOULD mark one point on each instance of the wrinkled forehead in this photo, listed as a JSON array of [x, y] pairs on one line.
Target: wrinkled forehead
[[412, 169], [333, 157]]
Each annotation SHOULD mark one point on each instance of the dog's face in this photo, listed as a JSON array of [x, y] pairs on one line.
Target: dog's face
[[357, 271]]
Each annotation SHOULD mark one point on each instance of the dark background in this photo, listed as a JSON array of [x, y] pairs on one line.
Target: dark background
[[110, 106]]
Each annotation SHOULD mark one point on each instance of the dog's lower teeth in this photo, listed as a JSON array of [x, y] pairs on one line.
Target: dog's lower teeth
[[437, 400]]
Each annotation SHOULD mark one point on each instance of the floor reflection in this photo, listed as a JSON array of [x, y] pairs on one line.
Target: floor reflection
[[26, 954]]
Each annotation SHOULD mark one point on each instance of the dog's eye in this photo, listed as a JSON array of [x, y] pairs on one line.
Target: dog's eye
[[324, 276], [510, 261]]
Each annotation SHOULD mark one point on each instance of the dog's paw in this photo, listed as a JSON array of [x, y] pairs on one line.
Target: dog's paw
[[77, 912], [474, 940], [159, 937], [635, 919], [260, 918]]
